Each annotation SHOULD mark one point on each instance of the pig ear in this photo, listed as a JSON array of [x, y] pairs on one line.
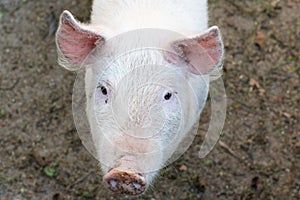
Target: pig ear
[[202, 53], [74, 41]]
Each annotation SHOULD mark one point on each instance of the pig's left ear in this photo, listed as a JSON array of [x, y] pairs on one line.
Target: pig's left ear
[[202, 53], [74, 42]]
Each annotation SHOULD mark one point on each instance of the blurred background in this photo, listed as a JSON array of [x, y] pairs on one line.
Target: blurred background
[[257, 157]]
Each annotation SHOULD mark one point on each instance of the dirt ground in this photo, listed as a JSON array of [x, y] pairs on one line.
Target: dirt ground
[[258, 156]]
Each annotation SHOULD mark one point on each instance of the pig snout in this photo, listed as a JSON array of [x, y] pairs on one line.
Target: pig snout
[[126, 177], [125, 181]]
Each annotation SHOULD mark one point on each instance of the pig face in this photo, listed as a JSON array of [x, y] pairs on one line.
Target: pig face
[[137, 108], [141, 103]]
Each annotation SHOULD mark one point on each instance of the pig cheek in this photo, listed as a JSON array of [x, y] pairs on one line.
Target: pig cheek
[[107, 152], [171, 106], [100, 99], [103, 135], [173, 119]]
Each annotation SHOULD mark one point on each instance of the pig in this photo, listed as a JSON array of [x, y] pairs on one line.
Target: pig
[[141, 102]]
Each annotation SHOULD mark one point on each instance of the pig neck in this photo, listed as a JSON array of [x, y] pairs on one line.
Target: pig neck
[[183, 16]]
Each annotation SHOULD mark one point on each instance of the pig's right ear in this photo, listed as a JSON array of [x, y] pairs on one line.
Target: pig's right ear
[[74, 42]]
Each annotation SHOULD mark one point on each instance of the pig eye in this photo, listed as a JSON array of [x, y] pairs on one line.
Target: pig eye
[[103, 90], [168, 96]]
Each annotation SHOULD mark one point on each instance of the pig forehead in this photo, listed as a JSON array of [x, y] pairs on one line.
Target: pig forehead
[[141, 66]]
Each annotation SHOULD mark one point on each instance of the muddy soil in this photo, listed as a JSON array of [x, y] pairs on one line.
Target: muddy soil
[[257, 157]]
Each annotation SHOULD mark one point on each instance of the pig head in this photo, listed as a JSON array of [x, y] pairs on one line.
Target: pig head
[[141, 103]]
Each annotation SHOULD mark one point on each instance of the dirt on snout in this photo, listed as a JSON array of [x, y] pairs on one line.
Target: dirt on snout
[[257, 157]]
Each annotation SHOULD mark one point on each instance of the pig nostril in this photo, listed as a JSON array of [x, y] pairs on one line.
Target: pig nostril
[[137, 185], [113, 183]]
